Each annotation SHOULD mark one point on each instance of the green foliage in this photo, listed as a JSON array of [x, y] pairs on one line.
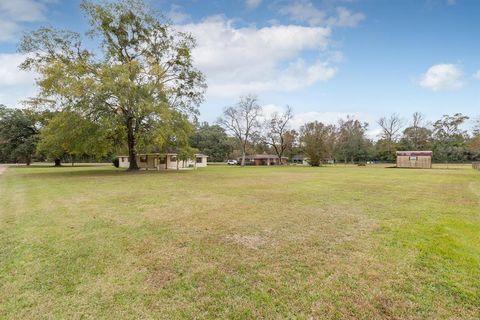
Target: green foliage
[[449, 140], [317, 140], [18, 135], [352, 143], [185, 153], [212, 141], [416, 138], [140, 77], [70, 134], [171, 134]]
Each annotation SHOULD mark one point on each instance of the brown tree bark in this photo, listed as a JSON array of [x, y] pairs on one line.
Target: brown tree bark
[[132, 152]]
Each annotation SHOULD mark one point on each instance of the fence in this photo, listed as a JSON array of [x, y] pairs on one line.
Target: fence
[[476, 165]]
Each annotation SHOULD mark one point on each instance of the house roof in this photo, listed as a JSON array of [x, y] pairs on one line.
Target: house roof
[[300, 156], [164, 154], [152, 154], [263, 156], [414, 153]]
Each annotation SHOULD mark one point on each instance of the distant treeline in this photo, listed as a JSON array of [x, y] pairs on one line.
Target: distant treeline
[[27, 135]]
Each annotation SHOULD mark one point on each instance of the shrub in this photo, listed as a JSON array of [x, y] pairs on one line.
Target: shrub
[[116, 162]]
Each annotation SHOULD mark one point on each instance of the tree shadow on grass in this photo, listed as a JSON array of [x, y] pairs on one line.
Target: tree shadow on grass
[[93, 171]]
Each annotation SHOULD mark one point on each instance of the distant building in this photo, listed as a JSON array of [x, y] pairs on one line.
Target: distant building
[[262, 160], [300, 159], [414, 159], [165, 161]]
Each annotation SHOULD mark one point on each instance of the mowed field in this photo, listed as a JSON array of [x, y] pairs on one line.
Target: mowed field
[[240, 243]]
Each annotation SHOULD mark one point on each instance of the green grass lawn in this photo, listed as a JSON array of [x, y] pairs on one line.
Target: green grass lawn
[[239, 243]]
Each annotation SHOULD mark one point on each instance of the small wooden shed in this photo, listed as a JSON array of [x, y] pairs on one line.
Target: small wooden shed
[[414, 159]]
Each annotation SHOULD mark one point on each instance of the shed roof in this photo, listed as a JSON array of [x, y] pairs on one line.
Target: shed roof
[[415, 153]]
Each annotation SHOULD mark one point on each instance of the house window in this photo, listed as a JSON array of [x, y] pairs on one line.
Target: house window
[[143, 158], [173, 158], [199, 159], [413, 158], [162, 160]]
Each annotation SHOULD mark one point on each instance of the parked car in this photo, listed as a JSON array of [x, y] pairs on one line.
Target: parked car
[[232, 162]]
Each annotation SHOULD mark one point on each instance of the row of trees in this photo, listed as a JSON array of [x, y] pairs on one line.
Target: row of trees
[[347, 141], [243, 129], [139, 90]]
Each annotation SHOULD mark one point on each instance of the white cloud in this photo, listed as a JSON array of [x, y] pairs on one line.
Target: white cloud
[[12, 13], [443, 77], [176, 15], [10, 75], [250, 59], [252, 4], [477, 75], [15, 85], [306, 11], [346, 18]]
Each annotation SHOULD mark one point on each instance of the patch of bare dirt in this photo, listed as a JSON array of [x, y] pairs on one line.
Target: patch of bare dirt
[[249, 241], [160, 278]]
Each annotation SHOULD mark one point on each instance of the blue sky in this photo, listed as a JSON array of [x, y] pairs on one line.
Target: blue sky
[[325, 59]]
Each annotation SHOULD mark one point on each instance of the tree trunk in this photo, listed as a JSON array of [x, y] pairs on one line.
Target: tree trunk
[[28, 161], [58, 162], [243, 159], [132, 152]]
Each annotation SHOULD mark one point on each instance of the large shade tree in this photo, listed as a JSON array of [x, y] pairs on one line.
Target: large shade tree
[[352, 143], [317, 140], [138, 78]]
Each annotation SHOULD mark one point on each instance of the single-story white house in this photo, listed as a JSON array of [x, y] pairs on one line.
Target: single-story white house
[[164, 161], [300, 159]]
